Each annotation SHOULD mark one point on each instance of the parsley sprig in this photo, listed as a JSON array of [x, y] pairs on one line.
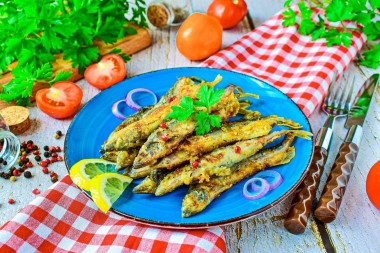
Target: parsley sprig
[[187, 107], [362, 12], [33, 31]]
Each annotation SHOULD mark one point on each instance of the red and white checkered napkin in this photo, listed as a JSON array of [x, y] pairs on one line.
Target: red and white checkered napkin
[[299, 67], [63, 219]]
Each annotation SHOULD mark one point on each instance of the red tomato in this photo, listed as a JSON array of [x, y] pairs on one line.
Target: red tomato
[[199, 36], [228, 12], [60, 101], [373, 185], [110, 70]]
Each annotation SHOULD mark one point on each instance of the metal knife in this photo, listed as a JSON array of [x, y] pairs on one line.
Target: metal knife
[[332, 195]]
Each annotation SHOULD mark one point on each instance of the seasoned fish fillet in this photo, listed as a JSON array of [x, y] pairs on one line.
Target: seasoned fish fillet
[[151, 182], [176, 131], [110, 156], [201, 195], [219, 161], [125, 158], [137, 133]]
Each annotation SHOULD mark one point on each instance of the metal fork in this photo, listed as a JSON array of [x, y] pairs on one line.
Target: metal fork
[[337, 103]]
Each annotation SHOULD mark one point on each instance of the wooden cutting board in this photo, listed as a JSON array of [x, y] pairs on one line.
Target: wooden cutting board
[[129, 45]]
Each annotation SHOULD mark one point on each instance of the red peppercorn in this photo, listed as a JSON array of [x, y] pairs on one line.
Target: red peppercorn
[[45, 170], [54, 155], [53, 174], [11, 201], [29, 164], [237, 149], [58, 149], [195, 164], [36, 152], [53, 159], [52, 148], [22, 157], [162, 125], [164, 137], [48, 161], [43, 163], [59, 158], [16, 173], [23, 143], [170, 99], [29, 146], [36, 191]]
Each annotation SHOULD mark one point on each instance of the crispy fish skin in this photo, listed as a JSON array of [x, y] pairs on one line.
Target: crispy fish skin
[[201, 195], [137, 133], [110, 156], [238, 131], [151, 182], [176, 131], [125, 158], [219, 161]]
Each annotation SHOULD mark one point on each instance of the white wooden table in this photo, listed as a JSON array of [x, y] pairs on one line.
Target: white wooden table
[[355, 230]]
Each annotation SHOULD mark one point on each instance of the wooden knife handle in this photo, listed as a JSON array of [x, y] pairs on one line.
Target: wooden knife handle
[[332, 195], [300, 209]]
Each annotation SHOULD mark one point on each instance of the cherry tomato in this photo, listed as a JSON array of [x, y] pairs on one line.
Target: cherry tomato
[[110, 70], [373, 185], [228, 12], [62, 100], [199, 36]]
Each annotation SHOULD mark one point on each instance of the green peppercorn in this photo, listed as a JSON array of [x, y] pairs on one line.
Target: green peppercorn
[[23, 153]]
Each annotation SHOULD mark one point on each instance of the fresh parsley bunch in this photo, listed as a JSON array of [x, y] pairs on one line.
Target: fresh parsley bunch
[[362, 12], [187, 107], [33, 31]]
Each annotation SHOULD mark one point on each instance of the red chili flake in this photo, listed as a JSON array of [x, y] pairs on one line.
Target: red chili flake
[[195, 164], [23, 143], [52, 148], [45, 170], [29, 146], [11, 201], [22, 157], [237, 149], [36, 191], [170, 99], [43, 163], [53, 174], [164, 137], [59, 158], [16, 173], [29, 164], [48, 161], [162, 125], [36, 152], [58, 149], [53, 159]]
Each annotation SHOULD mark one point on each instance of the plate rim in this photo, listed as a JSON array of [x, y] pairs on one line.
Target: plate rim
[[198, 225]]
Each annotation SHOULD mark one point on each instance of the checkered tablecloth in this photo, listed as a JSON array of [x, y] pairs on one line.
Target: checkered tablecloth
[[63, 219], [299, 67]]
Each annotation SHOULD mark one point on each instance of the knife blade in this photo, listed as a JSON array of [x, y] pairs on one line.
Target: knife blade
[[333, 192]]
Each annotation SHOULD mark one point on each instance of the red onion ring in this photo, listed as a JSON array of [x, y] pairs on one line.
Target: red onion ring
[[131, 103], [277, 179], [115, 110], [264, 188]]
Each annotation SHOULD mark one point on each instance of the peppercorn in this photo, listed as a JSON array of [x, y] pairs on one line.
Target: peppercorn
[[53, 174], [54, 179], [29, 142], [36, 152], [56, 136], [237, 149], [170, 99], [48, 161], [164, 137], [20, 163], [36, 191], [26, 160], [22, 169], [46, 148], [52, 149], [24, 146], [195, 164], [11, 201], [27, 174], [46, 154], [45, 170], [1, 159], [162, 125], [29, 164], [29, 147], [5, 163], [37, 158], [35, 147], [53, 159], [43, 163], [16, 172], [23, 153], [22, 157], [59, 133], [58, 149], [13, 178], [59, 158], [6, 176], [54, 155]]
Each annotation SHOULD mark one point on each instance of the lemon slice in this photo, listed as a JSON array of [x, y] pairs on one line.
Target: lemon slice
[[106, 189], [83, 171]]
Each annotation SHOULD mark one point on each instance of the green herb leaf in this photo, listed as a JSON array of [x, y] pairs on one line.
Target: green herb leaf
[[289, 18], [338, 10], [208, 96], [371, 57], [287, 3], [61, 76], [184, 111]]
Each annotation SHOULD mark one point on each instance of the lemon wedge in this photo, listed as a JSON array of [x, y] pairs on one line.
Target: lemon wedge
[[83, 171], [106, 189]]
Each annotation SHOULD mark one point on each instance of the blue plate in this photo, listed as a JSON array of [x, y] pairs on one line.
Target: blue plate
[[95, 122]]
